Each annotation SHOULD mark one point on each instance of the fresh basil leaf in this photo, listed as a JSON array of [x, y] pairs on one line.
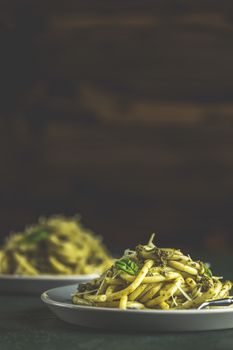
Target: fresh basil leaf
[[127, 266], [37, 236]]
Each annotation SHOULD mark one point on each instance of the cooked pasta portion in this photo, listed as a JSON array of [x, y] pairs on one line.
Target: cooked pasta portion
[[153, 278], [56, 245]]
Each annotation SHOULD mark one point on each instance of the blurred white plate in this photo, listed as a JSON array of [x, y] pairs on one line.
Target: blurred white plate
[[37, 284], [59, 301]]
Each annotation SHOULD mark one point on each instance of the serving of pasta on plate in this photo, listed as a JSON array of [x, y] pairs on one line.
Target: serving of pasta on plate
[[150, 277], [56, 245]]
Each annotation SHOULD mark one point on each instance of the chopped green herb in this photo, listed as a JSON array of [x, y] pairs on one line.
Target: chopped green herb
[[127, 266], [37, 236]]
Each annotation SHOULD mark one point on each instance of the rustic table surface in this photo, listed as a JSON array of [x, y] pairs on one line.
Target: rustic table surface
[[25, 323]]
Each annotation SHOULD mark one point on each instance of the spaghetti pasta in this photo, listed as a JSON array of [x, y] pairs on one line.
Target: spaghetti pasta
[[55, 245], [154, 278]]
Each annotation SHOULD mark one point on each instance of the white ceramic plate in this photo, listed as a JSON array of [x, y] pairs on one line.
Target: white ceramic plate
[[37, 284], [59, 301]]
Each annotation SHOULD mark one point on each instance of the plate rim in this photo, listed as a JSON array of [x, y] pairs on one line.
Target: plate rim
[[47, 300]]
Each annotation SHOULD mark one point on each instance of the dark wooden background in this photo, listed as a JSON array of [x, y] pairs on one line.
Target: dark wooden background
[[122, 111]]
